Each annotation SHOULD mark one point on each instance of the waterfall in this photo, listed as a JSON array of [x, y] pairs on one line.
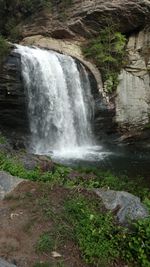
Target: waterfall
[[60, 103]]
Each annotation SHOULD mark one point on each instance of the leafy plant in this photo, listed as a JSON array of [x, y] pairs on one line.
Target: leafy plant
[[94, 232], [102, 241], [136, 245], [108, 52], [45, 243]]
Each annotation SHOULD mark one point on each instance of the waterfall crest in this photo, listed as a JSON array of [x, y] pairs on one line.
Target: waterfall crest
[[60, 103]]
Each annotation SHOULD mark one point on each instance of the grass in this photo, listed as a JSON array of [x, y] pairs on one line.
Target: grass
[[94, 232], [102, 240], [46, 243], [82, 218], [59, 175]]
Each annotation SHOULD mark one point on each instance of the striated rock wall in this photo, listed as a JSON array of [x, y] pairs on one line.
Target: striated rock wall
[[133, 92], [84, 18]]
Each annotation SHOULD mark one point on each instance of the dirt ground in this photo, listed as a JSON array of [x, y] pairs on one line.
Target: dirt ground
[[23, 221]]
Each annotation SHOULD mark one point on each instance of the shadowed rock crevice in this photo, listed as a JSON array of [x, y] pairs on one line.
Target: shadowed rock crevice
[[13, 110]]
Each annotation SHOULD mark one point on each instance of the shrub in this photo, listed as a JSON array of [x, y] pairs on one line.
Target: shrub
[[108, 52]]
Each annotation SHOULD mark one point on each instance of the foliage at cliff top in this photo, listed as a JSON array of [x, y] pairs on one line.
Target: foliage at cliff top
[[13, 12], [108, 53]]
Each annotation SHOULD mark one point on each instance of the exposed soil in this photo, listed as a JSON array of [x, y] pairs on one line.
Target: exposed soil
[[23, 218]]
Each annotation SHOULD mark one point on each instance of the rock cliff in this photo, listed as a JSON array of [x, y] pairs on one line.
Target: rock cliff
[[133, 92], [84, 18]]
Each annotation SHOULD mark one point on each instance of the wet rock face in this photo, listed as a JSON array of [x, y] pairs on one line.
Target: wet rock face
[[13, 111], [85, 18]]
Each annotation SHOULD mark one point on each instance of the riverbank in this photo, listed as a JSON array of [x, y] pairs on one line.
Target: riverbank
[[54, 217]]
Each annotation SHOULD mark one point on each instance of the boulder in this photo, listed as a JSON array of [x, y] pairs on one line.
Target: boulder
[[127, 206], [31, 161], [7, 183], [4, 263]]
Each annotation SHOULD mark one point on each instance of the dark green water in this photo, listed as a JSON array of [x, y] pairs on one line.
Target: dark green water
[[119, 159]]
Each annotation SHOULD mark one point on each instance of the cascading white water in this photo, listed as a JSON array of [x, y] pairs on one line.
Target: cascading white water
[[60, 102]]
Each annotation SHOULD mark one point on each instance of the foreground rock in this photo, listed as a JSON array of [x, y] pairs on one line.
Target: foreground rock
[[7, 184], [6, 264], [127, 206], [31, 162]]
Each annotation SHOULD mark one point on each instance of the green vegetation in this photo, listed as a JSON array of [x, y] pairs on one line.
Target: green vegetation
[[60, 174], [15, 168], [13, 12], [102, 241], [136, 245], [108, 52], [2, 139], [94, 232], [46, 243], [82, 217], [4, 49]]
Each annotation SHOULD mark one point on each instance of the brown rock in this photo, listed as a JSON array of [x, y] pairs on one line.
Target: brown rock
[[85, 18]]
